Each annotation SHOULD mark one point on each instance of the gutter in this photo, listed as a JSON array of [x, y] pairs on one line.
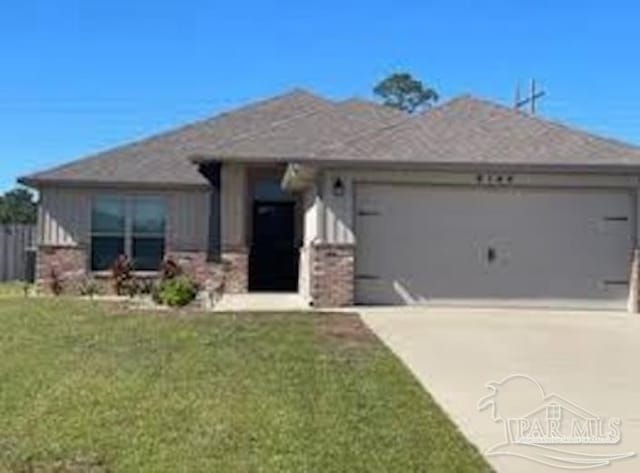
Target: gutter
[[461, 166], [88, 184]]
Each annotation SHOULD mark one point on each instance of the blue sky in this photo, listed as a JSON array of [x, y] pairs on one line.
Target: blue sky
[[79, 76]]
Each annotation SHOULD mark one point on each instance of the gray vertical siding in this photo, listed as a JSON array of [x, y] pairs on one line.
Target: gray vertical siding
[[65, 216], [338, 209], [188, 220], [234, 205]]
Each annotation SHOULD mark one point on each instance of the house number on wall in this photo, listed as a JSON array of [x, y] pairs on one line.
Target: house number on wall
[[494, 179]]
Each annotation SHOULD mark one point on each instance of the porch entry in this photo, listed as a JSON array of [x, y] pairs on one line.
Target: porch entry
[[273, 258]]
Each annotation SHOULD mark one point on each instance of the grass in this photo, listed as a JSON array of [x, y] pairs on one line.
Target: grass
[[85, 388], [12, 289]]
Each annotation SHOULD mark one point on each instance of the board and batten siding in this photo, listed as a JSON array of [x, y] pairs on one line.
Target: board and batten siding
[[336, 222], [233, 195], [188, 220], [336, 213], [65, 216]]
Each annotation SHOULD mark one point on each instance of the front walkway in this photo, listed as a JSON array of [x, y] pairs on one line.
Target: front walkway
[[590, 360], [261, 302]]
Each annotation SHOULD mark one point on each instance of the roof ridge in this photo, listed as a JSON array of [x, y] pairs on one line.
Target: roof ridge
[[174, 131], [407, 118], [372, 104], [269, 127], [548, 122], [217, 116], [334, 108], [359, 99], [483, 122]]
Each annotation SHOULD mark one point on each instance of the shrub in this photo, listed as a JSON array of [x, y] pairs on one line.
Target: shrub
[[132, 288], [146, 286], [177, 292], [89, 287], [156, 293], [169, 269], [124, 282], [55, 282]]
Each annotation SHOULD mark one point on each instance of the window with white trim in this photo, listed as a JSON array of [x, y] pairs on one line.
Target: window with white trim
[[133, 225]]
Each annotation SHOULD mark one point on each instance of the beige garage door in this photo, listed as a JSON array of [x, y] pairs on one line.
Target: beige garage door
[[536, 247]]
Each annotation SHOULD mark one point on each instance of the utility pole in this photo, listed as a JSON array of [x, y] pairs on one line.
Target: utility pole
[[534, 96]]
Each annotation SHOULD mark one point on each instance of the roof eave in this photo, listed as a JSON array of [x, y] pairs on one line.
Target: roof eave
[[614, 168], [38, 183], [217, 158]]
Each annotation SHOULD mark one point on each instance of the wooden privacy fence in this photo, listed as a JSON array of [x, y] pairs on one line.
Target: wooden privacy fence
[[17, 258]]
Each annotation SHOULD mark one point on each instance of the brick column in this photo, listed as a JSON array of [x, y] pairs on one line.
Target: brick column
[[68, 264], [332, 274], [235, 261]]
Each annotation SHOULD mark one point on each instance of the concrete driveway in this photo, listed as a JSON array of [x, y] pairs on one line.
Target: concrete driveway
[[588, 363]]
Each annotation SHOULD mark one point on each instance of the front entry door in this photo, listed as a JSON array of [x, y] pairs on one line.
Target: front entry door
[[273, 264]]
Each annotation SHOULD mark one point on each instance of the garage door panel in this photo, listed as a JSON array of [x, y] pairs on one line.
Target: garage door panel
[[422, 243]]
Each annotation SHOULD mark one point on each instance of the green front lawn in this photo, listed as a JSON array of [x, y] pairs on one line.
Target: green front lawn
[[12, 289], [88, 388]]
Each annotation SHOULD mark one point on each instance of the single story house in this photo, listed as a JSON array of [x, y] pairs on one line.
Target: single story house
[[353, 202]]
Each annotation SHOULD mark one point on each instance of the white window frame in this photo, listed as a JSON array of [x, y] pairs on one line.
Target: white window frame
[[128, 201]]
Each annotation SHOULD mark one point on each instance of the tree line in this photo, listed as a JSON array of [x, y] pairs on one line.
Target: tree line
[[18, 206]]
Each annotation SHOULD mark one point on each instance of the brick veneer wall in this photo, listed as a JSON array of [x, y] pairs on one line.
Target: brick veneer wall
[[231, 274], [69, 264], [332, 274], [196, 265], [66, 263]]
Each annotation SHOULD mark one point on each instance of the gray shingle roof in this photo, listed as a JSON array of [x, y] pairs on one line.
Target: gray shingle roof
[[306, 135], [299, 126], [162, 159], [468, 130]]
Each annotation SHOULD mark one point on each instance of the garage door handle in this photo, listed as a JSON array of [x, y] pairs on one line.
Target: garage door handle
[[616, 282], [367, 277]]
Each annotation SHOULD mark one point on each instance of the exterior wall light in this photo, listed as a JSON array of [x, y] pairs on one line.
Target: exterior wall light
[[338, 187]]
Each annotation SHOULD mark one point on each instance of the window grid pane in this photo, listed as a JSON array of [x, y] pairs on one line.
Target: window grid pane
[[108, 216], [128, 225], [149, 215], [104, 251], [147, 253]]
